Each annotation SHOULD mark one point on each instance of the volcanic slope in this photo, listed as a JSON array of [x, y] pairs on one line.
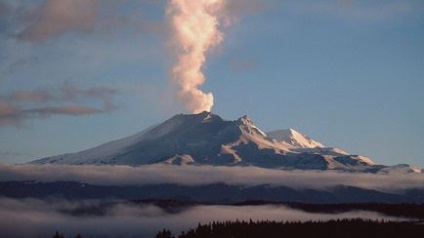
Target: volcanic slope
[[208, 139]]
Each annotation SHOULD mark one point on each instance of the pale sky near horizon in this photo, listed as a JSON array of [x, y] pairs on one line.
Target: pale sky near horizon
[[348, 73]]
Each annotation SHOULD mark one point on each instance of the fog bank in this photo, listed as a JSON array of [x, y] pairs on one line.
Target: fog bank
[[201, 175], [33, 218]]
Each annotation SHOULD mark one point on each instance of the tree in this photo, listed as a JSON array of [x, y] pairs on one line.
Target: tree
[[164, 234], [57, 235]]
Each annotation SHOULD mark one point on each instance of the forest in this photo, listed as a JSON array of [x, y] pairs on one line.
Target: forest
[[346, 228], [272, 229]]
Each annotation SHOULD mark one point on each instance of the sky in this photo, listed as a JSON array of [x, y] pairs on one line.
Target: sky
[[347, 73]]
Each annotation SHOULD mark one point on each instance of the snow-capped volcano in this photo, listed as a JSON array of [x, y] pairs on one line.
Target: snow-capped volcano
[[206, 138]]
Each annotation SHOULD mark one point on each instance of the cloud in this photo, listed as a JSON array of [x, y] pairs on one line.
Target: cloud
[[56, 17], [37, 218], [14, 107], [63, 94], [42, 218], [39, 21], [72, 93], [74, 110], [8, 114], [31, 96], [200, 175]]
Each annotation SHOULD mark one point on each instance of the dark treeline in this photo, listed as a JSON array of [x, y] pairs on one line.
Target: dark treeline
[[59, 235], [335, 228]]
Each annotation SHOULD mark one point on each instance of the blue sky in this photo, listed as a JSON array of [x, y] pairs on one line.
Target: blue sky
[[348, 73]]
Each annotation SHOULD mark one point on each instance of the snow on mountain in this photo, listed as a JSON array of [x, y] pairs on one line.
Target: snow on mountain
[[400, 169], [293, 138], [206, 138]]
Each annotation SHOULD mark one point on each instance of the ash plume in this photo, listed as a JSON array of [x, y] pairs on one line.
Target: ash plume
[[195, 32]]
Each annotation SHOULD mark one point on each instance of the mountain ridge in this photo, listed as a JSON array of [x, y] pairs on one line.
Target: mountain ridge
[[208, 139]]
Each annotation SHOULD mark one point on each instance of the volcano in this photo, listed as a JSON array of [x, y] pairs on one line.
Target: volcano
[[208, 139]]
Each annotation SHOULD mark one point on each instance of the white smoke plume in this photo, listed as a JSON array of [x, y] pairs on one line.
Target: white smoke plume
[[195, 31]]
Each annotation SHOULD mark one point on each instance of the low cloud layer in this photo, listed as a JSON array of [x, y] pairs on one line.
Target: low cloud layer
[[200, 175], [21, 105], [37, 218], [34, 217]]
